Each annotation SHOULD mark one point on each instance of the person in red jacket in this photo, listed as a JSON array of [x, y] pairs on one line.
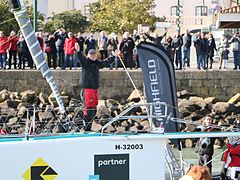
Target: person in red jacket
[[12, 42], [232, 159], [69, 48], [3, 50], [40, 40]]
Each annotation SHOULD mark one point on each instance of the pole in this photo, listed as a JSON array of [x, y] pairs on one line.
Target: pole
[[35, 9], [178, 15]]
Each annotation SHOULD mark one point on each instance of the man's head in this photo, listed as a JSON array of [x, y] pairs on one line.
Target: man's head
[[92, 54], [187, 32]]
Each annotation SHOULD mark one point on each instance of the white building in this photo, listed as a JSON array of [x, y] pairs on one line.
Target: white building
[[194, 13]]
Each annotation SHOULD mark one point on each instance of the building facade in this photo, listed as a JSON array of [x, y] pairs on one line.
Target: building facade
[[194, 14]]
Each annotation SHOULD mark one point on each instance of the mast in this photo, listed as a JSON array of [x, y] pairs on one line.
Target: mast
[[20, 12]]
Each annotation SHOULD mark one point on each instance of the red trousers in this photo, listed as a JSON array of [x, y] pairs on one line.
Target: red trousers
[[91, 99]]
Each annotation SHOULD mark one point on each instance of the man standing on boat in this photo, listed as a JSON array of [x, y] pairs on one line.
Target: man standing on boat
[[90, 80]]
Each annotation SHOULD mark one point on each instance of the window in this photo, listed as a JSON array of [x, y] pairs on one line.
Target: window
[[201, 11], [174, 10]]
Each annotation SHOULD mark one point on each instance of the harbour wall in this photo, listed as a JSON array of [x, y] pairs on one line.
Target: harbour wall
[[116, 84]]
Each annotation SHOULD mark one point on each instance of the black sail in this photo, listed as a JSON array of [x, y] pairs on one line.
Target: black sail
[[159, 81]]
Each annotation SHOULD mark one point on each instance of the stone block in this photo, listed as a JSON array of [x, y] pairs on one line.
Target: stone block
[[195, 83]]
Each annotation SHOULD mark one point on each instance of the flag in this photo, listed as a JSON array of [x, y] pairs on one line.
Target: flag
[[159, 82]]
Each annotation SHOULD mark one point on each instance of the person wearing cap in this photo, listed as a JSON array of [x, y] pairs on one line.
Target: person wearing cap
[[90, 80], [69, 48]]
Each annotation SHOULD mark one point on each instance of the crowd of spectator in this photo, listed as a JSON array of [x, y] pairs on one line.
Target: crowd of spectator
[[61, 47]]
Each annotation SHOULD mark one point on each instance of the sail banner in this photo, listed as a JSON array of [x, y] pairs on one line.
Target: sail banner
[[159, 82]]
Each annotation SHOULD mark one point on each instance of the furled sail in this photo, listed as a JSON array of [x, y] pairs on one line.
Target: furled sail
[[21, 15]]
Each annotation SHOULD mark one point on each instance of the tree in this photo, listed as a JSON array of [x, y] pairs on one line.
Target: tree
[[121, 15], [7, 21], [72, 21]]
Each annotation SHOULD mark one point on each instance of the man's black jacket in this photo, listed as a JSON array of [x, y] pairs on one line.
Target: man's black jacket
[[90, 70]]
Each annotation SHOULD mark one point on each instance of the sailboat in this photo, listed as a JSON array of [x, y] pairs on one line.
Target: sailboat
[[101, 156]]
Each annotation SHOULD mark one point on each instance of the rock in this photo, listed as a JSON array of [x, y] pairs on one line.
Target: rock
[[45, 116], [43, 98], [223, 108], [135, 96], [145, 125], [52, 99], [195, 117], [235, 99], [133, 129], [28, 96], [12, 121], [21, 105], [53, 102], [102, 110], [65, 100], [96, 127], [1, 99], [3, 105], [75, 102], [56, 130], [14, 95], [4, 95], [220, 107], [185, 105], [198, 101], [184, 94], [203, 112], [125, 124], [210, 100], [120, 129], [13, 103], [21, 111], [110, 129], [111, 102], [231, 119]]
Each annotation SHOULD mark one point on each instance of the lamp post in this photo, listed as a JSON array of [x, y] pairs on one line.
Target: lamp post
[[35, 16], [178, 15]]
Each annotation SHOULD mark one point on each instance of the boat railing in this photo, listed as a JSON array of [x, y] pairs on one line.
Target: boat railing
[[150, 115]]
